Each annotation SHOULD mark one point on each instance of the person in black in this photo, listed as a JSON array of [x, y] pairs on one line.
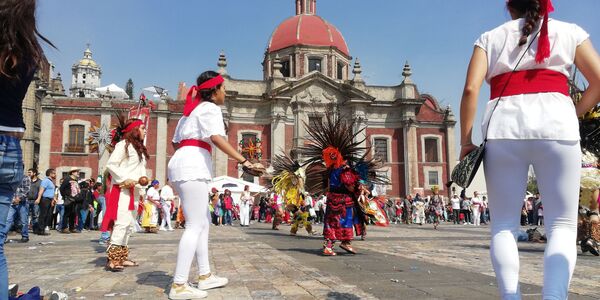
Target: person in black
[[33, 209], [263, 208], [85, 208], [70, 191]]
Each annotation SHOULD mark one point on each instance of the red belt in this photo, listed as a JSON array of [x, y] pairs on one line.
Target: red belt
[[196, 143], [529, 82]]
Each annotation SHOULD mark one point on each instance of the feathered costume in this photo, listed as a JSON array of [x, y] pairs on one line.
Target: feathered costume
[[337, 166], [288, 180]]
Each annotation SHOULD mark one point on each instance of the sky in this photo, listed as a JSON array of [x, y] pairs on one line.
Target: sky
[[160, 42]]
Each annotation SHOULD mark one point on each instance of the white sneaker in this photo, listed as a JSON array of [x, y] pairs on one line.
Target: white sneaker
[[170, 229], [162, 229], [185, 291], [212, 282]]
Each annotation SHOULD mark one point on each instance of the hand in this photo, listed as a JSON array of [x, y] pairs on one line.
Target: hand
[[256, 169], [466, 149], [129, 183], [37, 202]]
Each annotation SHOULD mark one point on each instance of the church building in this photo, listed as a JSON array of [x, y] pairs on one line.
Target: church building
[[307, 70]]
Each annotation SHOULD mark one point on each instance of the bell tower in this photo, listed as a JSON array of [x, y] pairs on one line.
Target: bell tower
[[306, 7]]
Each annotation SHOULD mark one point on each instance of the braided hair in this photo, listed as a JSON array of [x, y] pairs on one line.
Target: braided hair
[[528, 9]]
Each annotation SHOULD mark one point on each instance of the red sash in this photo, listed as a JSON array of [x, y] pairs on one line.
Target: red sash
[[529, 82], [196, 143], [112, 205]]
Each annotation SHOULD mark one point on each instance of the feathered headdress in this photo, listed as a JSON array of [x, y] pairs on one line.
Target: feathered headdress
[[288, 179]]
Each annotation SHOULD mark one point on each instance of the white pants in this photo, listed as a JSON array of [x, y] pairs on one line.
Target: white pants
[[194, 241], [557, 166], [124, 224], [166, 220], [476, 216], [244, 214]]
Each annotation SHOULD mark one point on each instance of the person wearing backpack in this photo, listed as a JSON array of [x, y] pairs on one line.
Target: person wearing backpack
[[85, 207], [70, 192]]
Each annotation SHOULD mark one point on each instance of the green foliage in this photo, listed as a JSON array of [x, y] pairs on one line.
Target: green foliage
[[129, 88], [532, 186]]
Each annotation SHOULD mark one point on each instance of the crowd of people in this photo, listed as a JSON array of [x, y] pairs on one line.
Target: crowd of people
[[73, 205]]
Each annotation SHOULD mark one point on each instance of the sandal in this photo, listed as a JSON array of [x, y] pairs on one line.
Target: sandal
[[130, 263], [113, 267], [348, 248]]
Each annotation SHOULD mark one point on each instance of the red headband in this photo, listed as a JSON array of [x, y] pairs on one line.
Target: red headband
[[133, 125], [543, 50], [192, 102]]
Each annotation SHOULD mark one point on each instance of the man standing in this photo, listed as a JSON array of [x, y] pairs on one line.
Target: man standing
[[70, 191], [166, 202], [20, 206], [407, 210], [33, 209], [44, 200], [455, 201]]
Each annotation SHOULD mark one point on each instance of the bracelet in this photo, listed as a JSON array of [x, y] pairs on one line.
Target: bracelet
[[243, 162]]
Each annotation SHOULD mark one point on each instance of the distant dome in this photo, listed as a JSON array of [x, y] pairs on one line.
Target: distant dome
[[307, 30], [87, 60]]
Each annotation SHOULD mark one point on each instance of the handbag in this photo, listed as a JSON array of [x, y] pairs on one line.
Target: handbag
[[464, 172]]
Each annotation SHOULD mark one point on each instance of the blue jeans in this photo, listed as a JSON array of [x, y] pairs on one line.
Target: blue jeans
[[82, 219], [11, 174], [34, 213], [23, 210], [227, 216], [60, 210]]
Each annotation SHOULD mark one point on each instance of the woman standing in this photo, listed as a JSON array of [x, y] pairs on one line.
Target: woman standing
[[20, 54], [534, 123], [126, 165], [245, 199], [190, 169]]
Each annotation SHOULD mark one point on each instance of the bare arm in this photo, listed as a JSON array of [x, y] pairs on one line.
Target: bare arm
[[224, 146], [468, 105], [588, 62]]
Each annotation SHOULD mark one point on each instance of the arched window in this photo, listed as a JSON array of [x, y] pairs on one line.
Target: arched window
[[76, 139], [431, 149]]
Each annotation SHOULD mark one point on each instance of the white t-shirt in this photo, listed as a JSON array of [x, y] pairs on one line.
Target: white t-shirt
[[538, 115], [152, 193], [455, 202], [166, 193], [195, 163]]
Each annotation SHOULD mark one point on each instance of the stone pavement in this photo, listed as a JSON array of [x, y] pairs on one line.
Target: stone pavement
[[73, 263], [398, 262]]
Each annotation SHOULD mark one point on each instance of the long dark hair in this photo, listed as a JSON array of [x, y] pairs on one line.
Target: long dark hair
[[131, 138], [19, 46], [206, 95], [528, 9]]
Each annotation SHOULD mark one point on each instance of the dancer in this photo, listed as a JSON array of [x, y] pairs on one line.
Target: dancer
[[190, 169], [334, 166], [246, 200], [534, 123], [127, 167]]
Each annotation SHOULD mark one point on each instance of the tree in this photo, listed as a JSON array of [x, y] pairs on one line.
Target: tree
[[129, 88], [532, 186]]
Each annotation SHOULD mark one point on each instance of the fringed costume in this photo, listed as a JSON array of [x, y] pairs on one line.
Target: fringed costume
[[336, 166]]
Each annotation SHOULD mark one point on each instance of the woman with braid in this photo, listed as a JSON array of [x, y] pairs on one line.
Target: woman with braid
[[535, 123], [126, 167]]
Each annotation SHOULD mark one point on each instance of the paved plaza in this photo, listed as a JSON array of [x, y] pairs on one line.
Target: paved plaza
[[397, 262]]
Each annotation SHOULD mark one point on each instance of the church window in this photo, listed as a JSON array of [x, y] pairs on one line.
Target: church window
[[250, 148], [76, 139], [381, 148], [340, 71], [285, 68], [314, 64], [312, 120], [431, 150], [433, 178], [83, 75]]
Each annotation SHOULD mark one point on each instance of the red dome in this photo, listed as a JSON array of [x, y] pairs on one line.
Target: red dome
[[308, 30]]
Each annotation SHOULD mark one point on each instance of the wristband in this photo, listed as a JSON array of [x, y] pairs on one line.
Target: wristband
[[242, 162]]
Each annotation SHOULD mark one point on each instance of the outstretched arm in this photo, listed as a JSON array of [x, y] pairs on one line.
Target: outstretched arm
[[588, 62]]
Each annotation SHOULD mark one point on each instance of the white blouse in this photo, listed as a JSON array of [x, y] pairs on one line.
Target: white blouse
[[539, 115], [124, 165], [195, 163]]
